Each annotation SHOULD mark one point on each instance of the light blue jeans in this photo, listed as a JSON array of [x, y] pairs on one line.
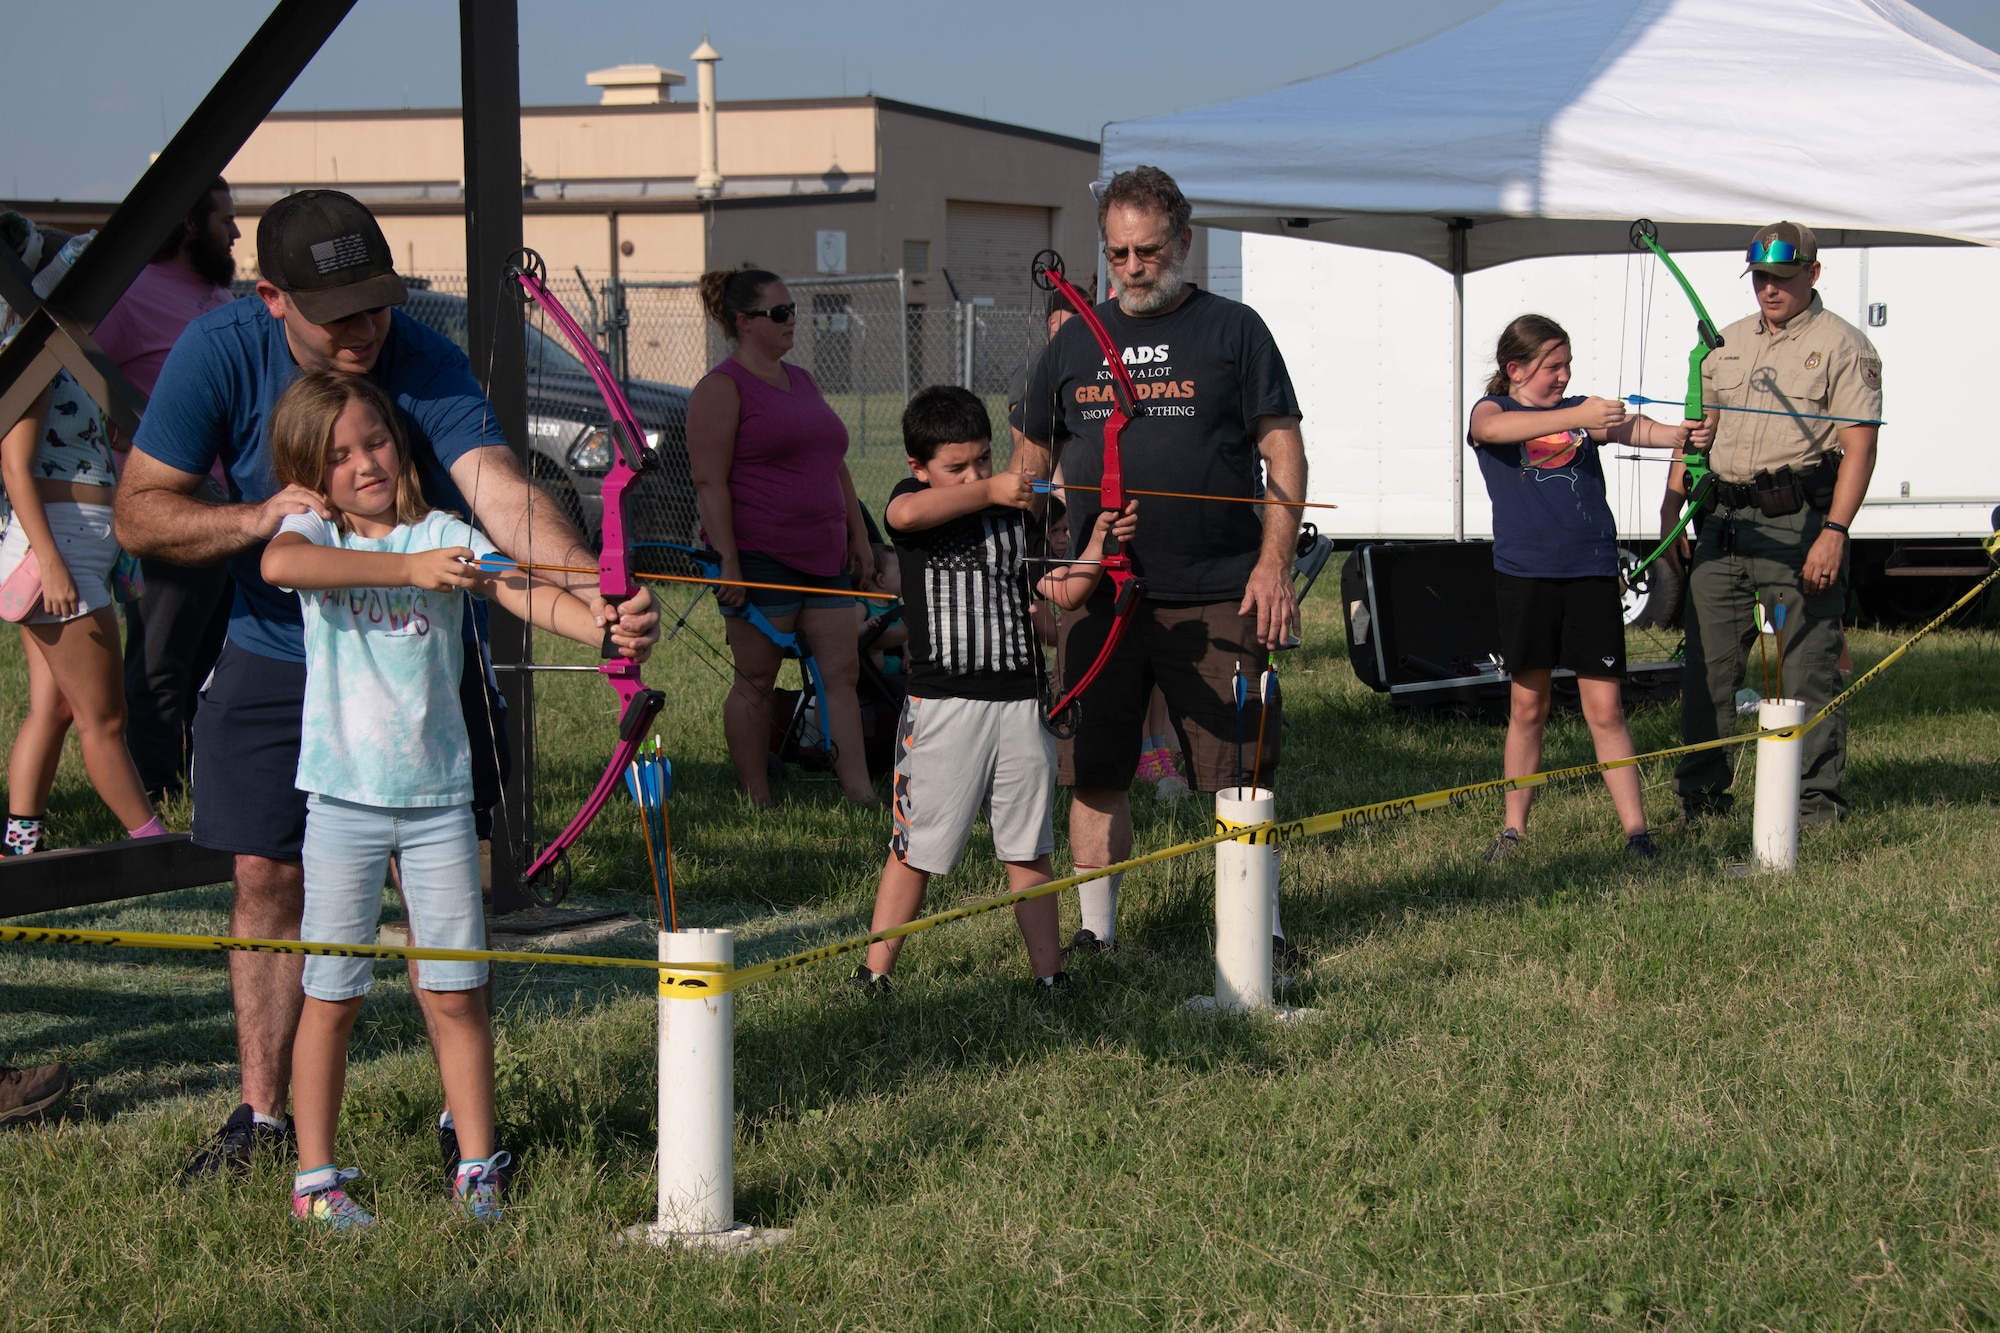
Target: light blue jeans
[[347, 851]]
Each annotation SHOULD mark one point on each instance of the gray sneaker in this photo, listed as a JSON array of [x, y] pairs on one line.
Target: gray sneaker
[[1503, 846], [26, 1093]]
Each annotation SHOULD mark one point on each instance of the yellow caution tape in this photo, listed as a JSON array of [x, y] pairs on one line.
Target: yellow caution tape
[[689, 980]]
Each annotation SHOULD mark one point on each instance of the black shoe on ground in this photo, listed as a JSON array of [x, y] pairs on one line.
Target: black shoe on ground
[[1640, 847], [868, 983], [241, 1136], [26, 1093], [448, 1149], [1085, 941], [1057, 987], [1285, 956]]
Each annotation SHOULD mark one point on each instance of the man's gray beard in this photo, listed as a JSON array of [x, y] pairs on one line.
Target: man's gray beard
[[1162, 293]]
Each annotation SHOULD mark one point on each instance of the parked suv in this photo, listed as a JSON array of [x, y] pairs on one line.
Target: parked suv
[[569, 442]]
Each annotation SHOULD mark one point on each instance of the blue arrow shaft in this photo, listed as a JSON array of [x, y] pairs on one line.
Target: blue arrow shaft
[[1760, 411]]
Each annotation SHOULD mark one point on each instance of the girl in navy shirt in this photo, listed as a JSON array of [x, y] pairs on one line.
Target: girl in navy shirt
[[1555, 556]]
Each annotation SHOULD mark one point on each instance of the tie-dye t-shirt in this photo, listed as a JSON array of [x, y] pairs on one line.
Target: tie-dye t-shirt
[[1550, 517], [382, 723]]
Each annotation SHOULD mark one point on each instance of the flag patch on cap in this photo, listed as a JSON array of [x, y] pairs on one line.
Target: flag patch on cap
[[340, 252]]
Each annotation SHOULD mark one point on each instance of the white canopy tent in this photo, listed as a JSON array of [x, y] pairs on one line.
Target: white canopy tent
[[1544, 127]]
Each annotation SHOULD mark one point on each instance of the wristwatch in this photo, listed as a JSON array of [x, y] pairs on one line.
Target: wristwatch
[[1840, 528]]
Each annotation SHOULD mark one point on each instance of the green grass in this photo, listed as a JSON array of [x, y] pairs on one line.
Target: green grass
[[1557, 1093]]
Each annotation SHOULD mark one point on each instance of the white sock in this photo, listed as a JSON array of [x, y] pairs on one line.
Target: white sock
[[445, 1121], [1099, 900], [305, 1182], [273, 1121]]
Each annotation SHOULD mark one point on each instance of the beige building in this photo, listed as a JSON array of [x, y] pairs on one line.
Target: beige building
[[848, 185]]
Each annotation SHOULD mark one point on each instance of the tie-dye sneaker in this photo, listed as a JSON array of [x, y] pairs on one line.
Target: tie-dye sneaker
[[476, 1192], [317, 1197]]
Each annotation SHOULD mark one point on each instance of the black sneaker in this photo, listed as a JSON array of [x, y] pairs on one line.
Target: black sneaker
[[1285, 956], [1640, 847], [231, 1147], [868, 983], [1085, 941], [448, 1149], [1503, 846], [1057, 987]]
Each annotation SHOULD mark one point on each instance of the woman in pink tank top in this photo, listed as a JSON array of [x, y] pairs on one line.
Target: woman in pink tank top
[[777, 504]]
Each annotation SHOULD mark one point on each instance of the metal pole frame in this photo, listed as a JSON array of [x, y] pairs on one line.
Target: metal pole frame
[[489, 53]]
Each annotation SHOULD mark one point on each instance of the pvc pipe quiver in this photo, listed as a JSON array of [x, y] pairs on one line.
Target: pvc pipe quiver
[[1780, 762], [1246, 903], [697, 1153]]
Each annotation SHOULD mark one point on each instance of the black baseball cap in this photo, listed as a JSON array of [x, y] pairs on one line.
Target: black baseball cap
[[325, 250]]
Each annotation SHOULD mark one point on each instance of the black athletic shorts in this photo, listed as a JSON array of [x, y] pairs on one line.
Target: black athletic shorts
[[246, 753], [1578, 624]]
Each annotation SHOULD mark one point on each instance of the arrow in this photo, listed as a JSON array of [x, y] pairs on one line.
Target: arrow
[[1642, 400], [1043, 487]]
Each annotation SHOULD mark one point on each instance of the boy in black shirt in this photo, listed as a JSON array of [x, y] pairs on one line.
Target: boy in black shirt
[[971, 733]]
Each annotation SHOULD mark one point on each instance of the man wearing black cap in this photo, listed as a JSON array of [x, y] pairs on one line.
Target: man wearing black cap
[[325, 301], [1789, 479]]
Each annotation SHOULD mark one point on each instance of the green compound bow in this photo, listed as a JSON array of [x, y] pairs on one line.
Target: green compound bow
[[1645, 236]]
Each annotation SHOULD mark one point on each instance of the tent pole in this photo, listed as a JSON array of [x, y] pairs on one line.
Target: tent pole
[[1458, 228]]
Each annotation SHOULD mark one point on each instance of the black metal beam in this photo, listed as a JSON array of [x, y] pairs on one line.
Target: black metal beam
[[281, 48], [81, 876], [489, 56]]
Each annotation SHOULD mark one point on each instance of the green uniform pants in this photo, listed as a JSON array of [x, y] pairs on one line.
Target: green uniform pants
[[1743, 557]]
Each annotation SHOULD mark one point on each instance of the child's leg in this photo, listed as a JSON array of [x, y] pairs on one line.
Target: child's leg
[[897, 900], [462, 1036], [1038, 917], [439, 852], [1529, 697], [319, 1076], [1604, 710], [346, 853]]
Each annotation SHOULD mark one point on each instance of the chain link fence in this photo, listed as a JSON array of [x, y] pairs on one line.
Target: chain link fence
[[865, 346]]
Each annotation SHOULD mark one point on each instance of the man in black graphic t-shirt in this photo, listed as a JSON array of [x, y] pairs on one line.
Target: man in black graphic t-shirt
[[1216, 402]]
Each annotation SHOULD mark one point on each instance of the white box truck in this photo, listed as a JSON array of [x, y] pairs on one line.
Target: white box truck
[[1368, 338]]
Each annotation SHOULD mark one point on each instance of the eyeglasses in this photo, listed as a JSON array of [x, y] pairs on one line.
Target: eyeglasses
[[777, 314], [1772, 250], [1116, 254]]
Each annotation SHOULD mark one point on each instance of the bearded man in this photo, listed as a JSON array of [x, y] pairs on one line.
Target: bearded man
[[1219, 418]]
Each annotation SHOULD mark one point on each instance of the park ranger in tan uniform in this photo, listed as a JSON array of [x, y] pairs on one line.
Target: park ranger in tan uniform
[[1789, 482]]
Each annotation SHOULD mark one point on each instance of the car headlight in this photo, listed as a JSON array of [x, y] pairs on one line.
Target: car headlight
[[593, 451]]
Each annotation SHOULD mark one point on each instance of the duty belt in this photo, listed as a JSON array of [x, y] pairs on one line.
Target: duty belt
[[1734, 494]]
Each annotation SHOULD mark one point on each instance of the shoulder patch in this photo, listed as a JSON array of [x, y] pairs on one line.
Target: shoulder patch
[[1812, 362], [1871, 372]]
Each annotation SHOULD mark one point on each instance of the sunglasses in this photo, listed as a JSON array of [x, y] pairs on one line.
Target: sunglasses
[[1774, 251], [777, 314]]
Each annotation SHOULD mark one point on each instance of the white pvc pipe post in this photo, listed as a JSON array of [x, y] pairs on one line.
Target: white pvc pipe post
[[1246, 911], [1780, 760], [697, 1201], [1246, 896]]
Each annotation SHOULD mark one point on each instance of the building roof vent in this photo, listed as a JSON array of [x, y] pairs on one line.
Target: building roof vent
[[635, 85]]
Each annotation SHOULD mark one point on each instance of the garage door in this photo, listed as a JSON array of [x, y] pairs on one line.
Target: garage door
[[989, 248]]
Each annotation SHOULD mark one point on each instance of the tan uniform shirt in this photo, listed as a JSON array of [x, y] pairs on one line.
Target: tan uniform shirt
[[1817, 365]]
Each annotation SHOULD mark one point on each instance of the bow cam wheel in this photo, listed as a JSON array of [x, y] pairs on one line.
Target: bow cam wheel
[[1046, 263], [530, 263], [551, 886], [1645, 229]]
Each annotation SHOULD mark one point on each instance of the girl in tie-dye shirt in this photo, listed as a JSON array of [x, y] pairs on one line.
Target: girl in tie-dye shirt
[[386, 762]]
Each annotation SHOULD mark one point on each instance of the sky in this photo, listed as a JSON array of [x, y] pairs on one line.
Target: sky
[[122, 74]]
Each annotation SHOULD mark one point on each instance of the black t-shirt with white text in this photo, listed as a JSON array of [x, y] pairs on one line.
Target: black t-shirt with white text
[[967, 602], [1205, 372]]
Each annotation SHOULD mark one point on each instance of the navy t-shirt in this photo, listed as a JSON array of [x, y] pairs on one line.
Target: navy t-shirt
[[1550, 517], [214, 400]]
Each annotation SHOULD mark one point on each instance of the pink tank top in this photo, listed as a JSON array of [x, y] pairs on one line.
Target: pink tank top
[[784, 483]]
